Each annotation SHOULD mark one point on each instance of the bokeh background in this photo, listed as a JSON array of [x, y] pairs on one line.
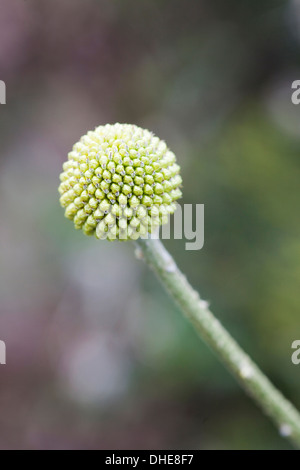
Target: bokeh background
[[98, 357]]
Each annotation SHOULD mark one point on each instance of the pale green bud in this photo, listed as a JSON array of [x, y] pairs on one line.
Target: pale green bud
[[119, 182]]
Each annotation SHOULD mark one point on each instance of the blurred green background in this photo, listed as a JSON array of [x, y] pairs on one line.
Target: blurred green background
[[98, 357]]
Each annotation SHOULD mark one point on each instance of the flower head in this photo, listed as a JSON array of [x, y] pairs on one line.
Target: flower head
[[119, 182]]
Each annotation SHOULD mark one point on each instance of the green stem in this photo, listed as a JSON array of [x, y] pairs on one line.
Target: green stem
[[251, 378]]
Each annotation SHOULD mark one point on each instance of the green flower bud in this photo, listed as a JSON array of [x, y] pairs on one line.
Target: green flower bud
[[149, 179], [135, 222], [104, 205], [158, 189], [119, 182], [140, 171], [128, 212], [139, 181], [84, 196], [99, 194], [148, 189], [122, 200], [78, 202], [116, 178], [87, 208], [141, 212], [147, 201], [104, 186], [157, 200], [99, 214], [93, 203], [126, 189], [91, 189], [134, 202], [137, 190]]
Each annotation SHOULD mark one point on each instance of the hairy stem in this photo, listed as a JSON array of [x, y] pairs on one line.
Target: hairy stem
[[251, 378]]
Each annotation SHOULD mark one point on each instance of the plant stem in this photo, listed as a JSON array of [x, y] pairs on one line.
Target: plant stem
[[251, 378]]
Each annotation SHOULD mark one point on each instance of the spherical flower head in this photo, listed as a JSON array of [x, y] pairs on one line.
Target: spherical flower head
[[120, 182]]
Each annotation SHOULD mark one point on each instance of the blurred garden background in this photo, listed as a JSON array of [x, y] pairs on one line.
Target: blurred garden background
[[98, 357]]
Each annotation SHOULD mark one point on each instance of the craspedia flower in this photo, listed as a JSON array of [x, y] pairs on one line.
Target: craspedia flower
[[119, 182]]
